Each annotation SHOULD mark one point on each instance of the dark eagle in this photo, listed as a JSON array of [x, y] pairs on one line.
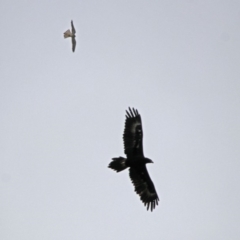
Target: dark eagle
[[133, 148]]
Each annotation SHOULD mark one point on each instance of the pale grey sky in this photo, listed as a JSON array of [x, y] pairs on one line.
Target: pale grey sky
[[63, 113]]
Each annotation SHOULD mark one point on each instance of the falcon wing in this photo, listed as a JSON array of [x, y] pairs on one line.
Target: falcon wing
[[144, 186], [73, 43], [133, 134], [73, 29]]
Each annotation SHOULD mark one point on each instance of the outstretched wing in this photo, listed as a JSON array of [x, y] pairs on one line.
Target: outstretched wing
[[133, 134], [144, 186], [73, 29], [73, 43]]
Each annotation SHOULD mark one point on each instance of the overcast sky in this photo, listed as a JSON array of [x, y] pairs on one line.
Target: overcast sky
[[63, 113]]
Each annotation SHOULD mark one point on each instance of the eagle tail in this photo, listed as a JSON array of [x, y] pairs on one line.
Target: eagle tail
[[67, 34], [118, 164]]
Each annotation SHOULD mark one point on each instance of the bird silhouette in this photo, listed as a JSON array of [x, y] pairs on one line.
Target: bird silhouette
[[68, 34]]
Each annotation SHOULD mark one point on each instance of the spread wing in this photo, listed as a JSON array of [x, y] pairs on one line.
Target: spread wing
[[133, 134], [73, 43], [73, 29], [144, 186]]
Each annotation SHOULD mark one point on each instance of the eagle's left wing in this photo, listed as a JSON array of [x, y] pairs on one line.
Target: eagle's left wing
[[144, 186]]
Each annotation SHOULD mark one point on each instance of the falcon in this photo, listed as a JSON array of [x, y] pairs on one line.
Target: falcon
[[135, 161], [68, 33]]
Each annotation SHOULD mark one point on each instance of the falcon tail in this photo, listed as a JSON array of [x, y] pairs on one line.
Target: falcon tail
[[118, 164], [67, 34]]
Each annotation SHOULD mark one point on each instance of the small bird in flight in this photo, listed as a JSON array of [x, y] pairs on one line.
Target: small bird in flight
[[68, 33], [135, 161]]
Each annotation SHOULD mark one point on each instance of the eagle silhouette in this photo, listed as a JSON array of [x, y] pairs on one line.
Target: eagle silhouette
[[68, 33], [135, 161]]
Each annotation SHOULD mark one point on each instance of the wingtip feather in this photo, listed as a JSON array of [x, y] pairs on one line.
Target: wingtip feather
[[131, 113]]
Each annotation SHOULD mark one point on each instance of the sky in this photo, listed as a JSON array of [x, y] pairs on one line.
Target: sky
[[62, 118]]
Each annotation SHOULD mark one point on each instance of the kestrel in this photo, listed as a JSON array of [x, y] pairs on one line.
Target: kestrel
[[68, 33]]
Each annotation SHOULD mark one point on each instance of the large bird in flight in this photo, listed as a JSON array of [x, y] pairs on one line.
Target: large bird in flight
[[133, 148], [68, 33]]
